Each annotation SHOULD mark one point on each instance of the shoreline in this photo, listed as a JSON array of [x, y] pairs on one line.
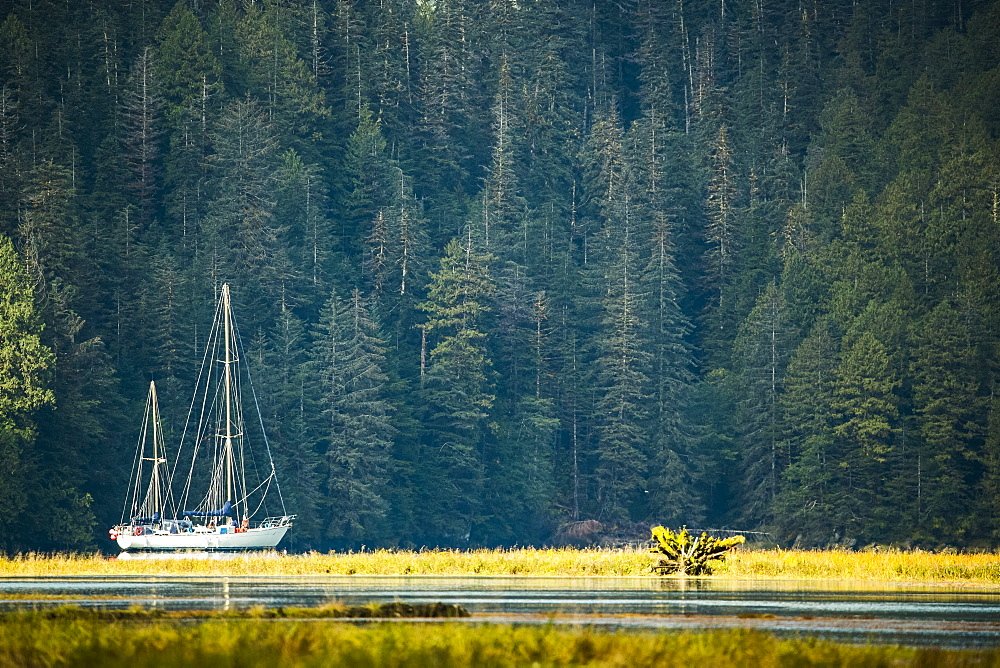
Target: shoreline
[[891, 568]]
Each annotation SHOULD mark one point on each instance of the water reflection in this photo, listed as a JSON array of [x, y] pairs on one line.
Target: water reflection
[[934, 614], [198, 556]]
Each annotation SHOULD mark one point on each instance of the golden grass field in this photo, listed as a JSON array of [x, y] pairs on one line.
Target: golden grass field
[[36, 639], [890, 566]]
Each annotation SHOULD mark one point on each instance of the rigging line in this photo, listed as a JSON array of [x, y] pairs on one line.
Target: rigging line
[[254, 490], [194, 397], [205, 419], [260, 417], [136, 503], [134, 506], [264, 496], [136, 462], [159, 454], [199, 438], [240, 422], [256, 470], [213, 422], [187, 421], [208, 420], [253, 458]]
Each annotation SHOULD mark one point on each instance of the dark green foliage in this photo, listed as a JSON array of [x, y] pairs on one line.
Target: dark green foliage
[[641, 261], [809, 505], [354, 420], [759, 360], [949, 417], [457, 393], [25, 365]]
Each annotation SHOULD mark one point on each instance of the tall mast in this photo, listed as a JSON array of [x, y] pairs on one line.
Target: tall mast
[[155, 500], [155, 417], [227, 319]]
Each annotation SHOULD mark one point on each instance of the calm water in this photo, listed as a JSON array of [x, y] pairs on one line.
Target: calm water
[[956, 617]]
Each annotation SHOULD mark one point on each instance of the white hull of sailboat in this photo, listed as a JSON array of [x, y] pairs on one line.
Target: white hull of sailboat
[[252, 539]]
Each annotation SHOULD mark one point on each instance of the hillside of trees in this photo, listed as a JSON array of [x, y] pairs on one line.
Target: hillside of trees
[[504, 265]]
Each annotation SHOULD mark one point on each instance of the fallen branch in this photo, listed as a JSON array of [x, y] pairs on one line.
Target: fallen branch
[[684, 555]]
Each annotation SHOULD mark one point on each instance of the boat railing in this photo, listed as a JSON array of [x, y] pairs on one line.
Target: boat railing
[[279, 521]]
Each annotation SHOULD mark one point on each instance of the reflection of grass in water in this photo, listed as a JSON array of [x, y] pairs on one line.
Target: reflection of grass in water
[[392, 610], [887, 566], [32, 639], [21, 596]]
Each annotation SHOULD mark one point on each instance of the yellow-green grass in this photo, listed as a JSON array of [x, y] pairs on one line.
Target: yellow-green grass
[[31, 639], [888, 566], [393, 610]]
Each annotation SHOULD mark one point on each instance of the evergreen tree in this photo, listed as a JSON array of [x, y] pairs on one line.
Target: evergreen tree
[[85, 387], [398, 254], [280, 359], [503, 217], [25, 365], [550, 114], [392, 78], [653, 175], [846, 161], [301, 208], [189, 75], [447, 150], [279, 78], [622, 382], [809, 508], [369, 175], [169, 312], [242, 234], [186, 68], [655, 55], [867, 426], [721, 233], [457, 391], [10, 157], [674, 463], [950, 420], [760, 355], [990, 489], [143, 107], [348, 358]]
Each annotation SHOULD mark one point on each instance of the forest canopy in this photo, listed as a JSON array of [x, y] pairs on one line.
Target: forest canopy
[[502, 266]]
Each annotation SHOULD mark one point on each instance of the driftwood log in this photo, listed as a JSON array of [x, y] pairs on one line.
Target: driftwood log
[[681, 554]]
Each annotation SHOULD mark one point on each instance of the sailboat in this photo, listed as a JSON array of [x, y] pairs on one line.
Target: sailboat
[[232, 514]]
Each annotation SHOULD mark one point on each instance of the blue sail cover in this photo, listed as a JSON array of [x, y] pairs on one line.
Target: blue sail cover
[[225, 511], [146, 520]]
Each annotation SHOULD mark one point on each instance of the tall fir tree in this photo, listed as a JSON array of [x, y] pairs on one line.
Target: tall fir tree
[[809, 508], [457, 391], [951, 423], [347, 358], [867, 428], [25, 368], [760, 355]]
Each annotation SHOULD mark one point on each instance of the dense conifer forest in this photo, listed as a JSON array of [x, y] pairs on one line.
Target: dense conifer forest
[[506, 265]]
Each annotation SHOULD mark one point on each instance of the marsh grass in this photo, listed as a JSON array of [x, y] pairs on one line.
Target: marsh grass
[[35, 640], [392, 610], [888, 566]]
